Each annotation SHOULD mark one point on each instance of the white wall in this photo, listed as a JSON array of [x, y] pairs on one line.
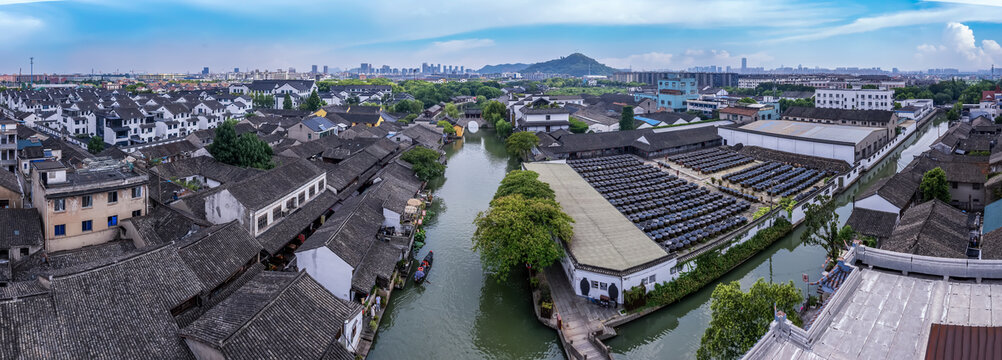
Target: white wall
[[846, 153], [328, 269], [222, 207], [877, 203]]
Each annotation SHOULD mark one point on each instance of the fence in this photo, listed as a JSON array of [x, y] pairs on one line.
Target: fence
[[929, 265]]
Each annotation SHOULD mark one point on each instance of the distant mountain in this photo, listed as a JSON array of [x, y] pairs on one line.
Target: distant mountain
[[502, 68], [575, 64]]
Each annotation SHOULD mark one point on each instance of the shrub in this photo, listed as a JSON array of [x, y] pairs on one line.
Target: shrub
[[713, 265], [635, 297]]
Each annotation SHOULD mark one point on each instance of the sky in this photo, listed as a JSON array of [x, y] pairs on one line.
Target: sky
[[81, 36]]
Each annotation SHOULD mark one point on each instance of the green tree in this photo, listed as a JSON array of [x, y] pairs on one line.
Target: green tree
[[516, 230], [503, 128], [739, 319], [521, 143], [626, 119], [451, 110], [578, 126], [409, 107], [525, 183], [263, 101], [312, 103], [408, 119], [869, 86], [425, 162], [244, 151], [95, 145], [941, 98], [897, 105], [822, 227], [747, 100], [998, 119], [447, 127], [935, 186], [287, 102]]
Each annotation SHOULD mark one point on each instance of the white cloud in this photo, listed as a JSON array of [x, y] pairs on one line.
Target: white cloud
[[458, 45], [960, 49], [15, 27], [958, 13], [687, 58]]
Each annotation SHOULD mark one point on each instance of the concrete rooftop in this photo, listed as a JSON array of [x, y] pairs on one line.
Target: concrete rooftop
[[809, 130], [603, 237], [889, 317]]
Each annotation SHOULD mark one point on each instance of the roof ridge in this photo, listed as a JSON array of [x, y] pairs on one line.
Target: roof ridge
[[125, 258]]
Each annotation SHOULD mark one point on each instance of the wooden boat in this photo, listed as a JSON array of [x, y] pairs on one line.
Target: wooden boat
[[422, 271]]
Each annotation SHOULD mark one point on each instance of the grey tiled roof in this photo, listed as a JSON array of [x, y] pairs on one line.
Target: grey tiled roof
[[880, 116], [163, 225], [275, 315], [351, 231], [20, 227], [9, 180], [269, 186], [991, 245], [216, 253], [874, 223], [293, 224], [122, 310], [932, 228]]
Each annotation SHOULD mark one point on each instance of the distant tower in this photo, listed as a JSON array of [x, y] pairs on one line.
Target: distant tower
[[744, 64], [31, 71]]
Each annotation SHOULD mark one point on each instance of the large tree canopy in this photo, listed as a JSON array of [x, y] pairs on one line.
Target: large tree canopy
[[95, 144], [525, 183], [244, 151], [516, 230], [520, 143], [312, 103], [935, 186], [739, 319], [626, 121], [425, 162]]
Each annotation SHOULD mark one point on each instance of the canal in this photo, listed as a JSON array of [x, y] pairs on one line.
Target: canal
[[462, 314]]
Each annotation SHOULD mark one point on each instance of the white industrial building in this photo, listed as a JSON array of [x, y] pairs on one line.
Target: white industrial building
[[854, 99], [846, 143], [608, 253]]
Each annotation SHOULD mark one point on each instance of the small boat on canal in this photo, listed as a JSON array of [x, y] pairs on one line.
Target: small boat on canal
[[422, 271]]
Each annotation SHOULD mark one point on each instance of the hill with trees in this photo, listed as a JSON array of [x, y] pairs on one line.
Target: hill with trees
[[575, 64], [502, 68]]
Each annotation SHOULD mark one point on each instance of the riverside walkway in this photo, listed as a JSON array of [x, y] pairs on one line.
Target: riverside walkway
[[579, 318]]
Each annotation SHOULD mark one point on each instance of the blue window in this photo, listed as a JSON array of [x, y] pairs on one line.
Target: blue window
[[60, 230], [87, 225], [113, 220]]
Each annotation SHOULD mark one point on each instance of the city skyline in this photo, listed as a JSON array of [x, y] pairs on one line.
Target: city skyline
[[185, 36]]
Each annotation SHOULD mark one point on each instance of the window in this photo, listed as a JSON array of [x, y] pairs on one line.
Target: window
[[302, 197], [112, 197], [87, 225], [87, 201], [313, 191], [652, 279], [976, 186], [113, 220], [137, 213], [4, 204], [59, 204], [594, 284], [262, 221], [603, 286], [277, 212], [291, 204], [953, 184], [60, 230], [137, 192], [24, 252]]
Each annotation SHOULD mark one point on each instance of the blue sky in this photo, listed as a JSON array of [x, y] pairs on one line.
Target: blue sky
[[185, 35]]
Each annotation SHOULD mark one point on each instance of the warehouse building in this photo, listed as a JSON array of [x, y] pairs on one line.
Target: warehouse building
[[846, 143]]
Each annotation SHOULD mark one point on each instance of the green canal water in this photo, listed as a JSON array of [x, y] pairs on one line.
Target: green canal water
[[460, 313]]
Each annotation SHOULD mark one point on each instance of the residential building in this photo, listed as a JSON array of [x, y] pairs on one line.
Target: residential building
[[11, 190], [20, 236], [8, 144], [84, 206], [544, 119], [854, 99], [312, 128], [262, 201], [886, 120]]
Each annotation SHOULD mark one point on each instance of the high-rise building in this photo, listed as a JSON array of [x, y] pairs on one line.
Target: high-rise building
[[744, 64], [325, 69], [314, 69], [205, 70], [236, 70]]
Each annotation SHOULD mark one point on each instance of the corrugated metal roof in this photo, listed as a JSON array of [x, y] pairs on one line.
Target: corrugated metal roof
[[964, 342]]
